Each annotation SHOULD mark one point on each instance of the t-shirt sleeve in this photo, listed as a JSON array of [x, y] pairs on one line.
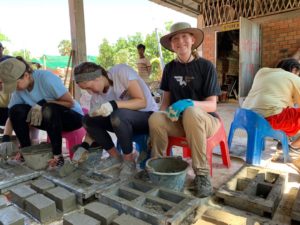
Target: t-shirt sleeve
[[15, 99]]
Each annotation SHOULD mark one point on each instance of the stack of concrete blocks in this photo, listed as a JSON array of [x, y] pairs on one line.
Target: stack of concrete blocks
[[254, 189], [295, 215], [42, 199], [97, 213], [149, 203], [8, 214]]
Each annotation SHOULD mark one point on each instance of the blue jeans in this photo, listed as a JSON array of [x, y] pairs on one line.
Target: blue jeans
[[123, 122]]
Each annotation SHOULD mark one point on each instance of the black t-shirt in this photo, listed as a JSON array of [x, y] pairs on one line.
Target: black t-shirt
[[195, 80]]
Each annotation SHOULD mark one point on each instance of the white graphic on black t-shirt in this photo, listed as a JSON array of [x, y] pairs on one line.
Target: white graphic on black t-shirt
[[180, 80]]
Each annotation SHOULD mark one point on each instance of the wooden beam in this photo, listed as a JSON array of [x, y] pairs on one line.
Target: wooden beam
[[76, 12]]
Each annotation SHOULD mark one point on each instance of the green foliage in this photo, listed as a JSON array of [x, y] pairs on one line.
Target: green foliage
[[107, 53], [124, 51], [24, 53], [65, 47]]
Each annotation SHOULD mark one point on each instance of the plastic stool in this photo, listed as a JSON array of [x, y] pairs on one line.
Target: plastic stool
[[141, 145], [74, 137], [258, 128], [219, 138]]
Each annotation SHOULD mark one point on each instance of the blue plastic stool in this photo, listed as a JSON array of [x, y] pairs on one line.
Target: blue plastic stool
[[141, 145], [257, 128]]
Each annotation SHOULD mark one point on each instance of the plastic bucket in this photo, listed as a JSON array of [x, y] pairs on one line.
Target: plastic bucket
[[37, 156], [169, 172]]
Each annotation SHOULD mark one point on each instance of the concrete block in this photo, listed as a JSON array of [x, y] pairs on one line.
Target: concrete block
[[41, 207], [20, 193], [11, 216], [295, 214], [42, 185], [65, 200], [80, 219], [126, 219], [101, 212], [3, 201]]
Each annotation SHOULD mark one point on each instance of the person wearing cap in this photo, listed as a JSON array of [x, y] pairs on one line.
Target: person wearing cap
[[41, 100], [121, 103], [143, 64], [274, 93], [7, 148], [190, 91]]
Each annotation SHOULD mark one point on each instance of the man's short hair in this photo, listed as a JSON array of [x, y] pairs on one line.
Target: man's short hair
[[288, 64], [141, 46]]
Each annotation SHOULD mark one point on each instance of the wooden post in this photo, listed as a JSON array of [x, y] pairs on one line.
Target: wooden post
[[78, 37]]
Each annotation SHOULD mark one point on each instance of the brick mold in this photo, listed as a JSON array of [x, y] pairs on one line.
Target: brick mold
[[254, 189], [148, 202], [11, 216], [13, 174], [82, 182]]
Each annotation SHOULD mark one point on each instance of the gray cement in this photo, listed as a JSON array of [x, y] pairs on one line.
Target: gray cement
[[65, 200], [41, 207], [80, 219], [254, 189], [20, 193], [125, 219], [149, 202], [3, 201], [11, 216], [41, 185], [101, 212], [295, 215]]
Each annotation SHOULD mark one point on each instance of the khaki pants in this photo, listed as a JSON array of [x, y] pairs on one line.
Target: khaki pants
[[196, 125]]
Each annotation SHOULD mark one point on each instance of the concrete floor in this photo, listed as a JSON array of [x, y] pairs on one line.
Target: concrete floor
[[222, 174]]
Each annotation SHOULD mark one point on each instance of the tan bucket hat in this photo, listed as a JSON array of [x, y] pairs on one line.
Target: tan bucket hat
[[182, 27]]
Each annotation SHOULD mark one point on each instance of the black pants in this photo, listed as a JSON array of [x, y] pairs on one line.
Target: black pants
[[56, 118], [3, 116], [123, 122]]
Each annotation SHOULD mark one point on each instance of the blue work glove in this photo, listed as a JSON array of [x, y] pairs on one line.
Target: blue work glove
[[174, 111]]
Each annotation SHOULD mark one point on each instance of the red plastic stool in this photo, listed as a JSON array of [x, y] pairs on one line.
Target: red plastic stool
[[219, 138]]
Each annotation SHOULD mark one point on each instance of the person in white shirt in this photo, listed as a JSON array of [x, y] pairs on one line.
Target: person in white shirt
[[121, 103]]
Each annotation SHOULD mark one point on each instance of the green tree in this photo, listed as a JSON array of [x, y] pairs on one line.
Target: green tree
[[24, 53], [124, 51], [106, 54], [64, 47]]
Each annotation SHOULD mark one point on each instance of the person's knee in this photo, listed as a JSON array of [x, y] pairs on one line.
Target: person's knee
[[157, 120], [48, 111], [86, 121], [17, 110], [193, 116], [116, 118]]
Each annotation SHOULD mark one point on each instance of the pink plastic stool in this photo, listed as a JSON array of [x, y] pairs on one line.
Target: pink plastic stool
[[219, 138], [74, 137]]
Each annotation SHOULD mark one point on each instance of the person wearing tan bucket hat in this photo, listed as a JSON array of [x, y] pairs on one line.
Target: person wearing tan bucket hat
[[39, 100], [190, 91]]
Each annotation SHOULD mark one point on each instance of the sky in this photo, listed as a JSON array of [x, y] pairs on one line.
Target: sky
[[40, 25]]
